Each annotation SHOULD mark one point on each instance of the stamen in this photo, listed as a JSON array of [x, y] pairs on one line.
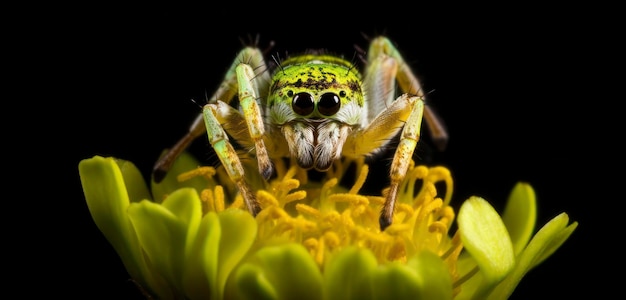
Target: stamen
[[307, 210], [358, 184], [206, 172]]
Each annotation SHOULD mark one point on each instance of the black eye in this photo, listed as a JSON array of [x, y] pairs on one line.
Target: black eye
[[329, 104], [302, 104], [342, 94]]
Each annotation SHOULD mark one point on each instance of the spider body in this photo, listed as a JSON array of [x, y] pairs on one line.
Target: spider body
[[314, 108]]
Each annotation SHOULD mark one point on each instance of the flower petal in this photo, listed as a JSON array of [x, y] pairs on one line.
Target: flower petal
[[394, 281], [346, 276], [239, 230], [157, 225], [108, 199], [284, 271], [549, 238], [520, 215], [486, 238], [200, 276], [433, 276], [253, 284]]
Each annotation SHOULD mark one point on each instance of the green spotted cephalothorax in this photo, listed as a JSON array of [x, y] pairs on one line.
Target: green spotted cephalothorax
[[314, 108]]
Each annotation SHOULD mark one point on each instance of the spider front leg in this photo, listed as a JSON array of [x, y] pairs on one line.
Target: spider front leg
[[402, 158], [226, 92], [220, 114], [408, 82], [227, 154]]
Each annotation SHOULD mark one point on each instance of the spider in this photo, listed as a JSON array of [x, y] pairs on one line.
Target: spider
[[314, 108]]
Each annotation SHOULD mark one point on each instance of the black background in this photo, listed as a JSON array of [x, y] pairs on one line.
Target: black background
[[512, 84]]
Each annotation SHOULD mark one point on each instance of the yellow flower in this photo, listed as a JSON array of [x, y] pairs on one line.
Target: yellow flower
[[189, 237]]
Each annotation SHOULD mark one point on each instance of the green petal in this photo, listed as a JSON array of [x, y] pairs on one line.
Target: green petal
[[133, 180], [394, 281], [425, 276], [281, 272], [549, 238], [239, 229], [184, 163], [433, 276], [163, 232], [252, 284], [486, 238], [200, 276], [520, 215], [108, 200], [346, 276]]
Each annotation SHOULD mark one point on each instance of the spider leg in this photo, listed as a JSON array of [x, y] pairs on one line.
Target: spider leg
[[405, 112], [228, 156], [248, 92], [409, 83], [402, 158], [225, 92]]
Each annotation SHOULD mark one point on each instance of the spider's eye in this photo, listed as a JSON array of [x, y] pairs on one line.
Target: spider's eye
[[302, 104], [329, 104]]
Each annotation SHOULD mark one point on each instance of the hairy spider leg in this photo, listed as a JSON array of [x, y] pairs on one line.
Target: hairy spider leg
[[226, 92]]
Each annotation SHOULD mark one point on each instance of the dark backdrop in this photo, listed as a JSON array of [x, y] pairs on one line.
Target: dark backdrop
[[508, 83]]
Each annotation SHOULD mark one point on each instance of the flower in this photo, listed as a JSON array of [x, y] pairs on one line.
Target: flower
[[191, 237]]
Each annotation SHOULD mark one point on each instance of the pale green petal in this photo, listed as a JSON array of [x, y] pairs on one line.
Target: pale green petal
[[433, 277], [200, 275], [550, 237], [253, 284], [283, 272], [554, 234], [394, 281], [184, 163], [486, 238], [239, 229], [108, 200], [520, 215], [346, 276], [163, 232]]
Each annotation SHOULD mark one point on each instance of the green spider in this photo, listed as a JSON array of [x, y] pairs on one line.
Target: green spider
[[315, 108]]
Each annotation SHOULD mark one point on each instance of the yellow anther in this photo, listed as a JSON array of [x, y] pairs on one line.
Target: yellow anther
[[206, 172], [310, 243], [295, 196], [219, 199], [406, 209], [428, 208], [438, 227], [397, 251], [331, 239], [307, 210], [396, 229], [237, 203], [288, 185], [266, 199], [360, 180], [206, 196], [328, 185]]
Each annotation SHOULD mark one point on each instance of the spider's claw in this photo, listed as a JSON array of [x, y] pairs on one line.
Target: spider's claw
[[386, 214], [266, 171], [158, 174], [265, 164], [249, 198], [384, 222]]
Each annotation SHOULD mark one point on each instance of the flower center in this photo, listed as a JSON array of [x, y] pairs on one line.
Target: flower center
[[326, 217]]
